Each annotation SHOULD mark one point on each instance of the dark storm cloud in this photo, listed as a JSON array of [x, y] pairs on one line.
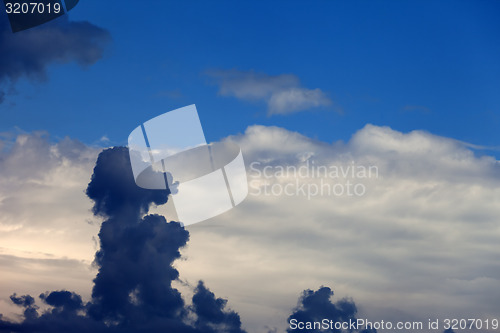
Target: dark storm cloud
[[25, 301], [28, 53], [133, 288], [211, 314], [114, 192], [314, 306], [63, 301], [28, 303]]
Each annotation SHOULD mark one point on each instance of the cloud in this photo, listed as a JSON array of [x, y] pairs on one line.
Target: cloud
[[282, 93], [210, 311], [423, 238], [314, 306], [133, 289], [296, 99], [28, 303], [40, 190], [426, 227], [28, 53]]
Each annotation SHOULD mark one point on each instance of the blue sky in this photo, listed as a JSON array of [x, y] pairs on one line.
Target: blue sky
[[432, 65]]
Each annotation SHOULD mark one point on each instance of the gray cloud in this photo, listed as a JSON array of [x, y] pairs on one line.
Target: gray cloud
[[424, 238], [282, 93], [28, 53]]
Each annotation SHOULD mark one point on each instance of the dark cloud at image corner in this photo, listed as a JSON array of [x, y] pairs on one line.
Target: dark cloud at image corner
[[28, 53]]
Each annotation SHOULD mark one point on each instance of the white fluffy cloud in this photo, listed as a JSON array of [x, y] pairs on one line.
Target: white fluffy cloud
[[282, 93], [422, 242]]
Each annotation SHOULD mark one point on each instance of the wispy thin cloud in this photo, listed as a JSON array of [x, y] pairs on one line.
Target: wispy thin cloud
[[283, 93]]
